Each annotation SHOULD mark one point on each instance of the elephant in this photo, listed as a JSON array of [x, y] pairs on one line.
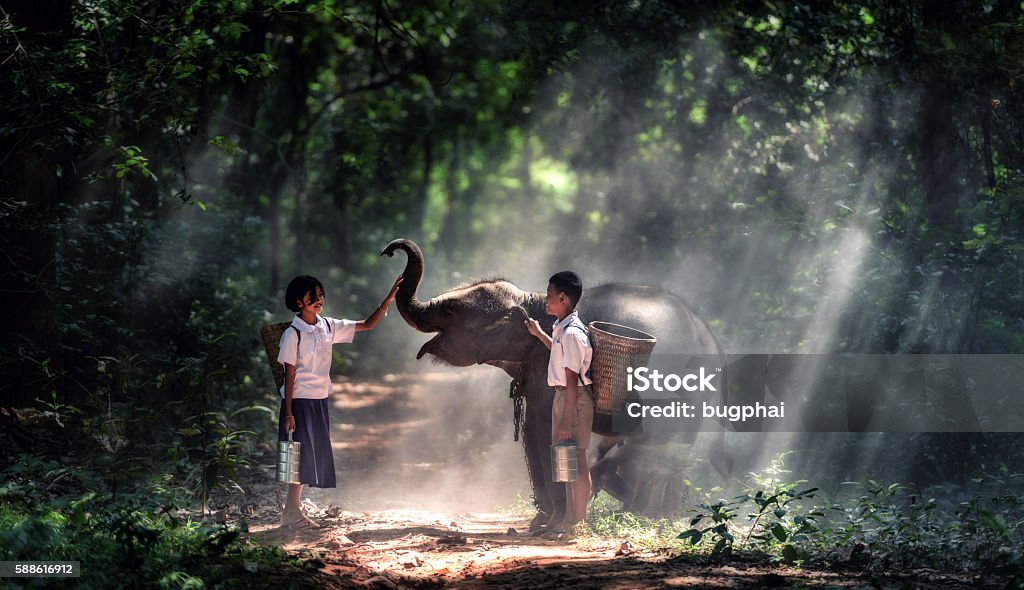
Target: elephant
[[483, 323]]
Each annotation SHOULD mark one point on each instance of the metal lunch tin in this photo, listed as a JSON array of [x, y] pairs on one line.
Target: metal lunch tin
[[288, 460], [564, 466]]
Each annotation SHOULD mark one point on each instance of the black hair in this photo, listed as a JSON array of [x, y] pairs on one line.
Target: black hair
[[298, 288], [569, 283]]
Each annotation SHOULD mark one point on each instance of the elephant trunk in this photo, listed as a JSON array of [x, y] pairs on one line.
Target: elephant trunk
[[414, 312]]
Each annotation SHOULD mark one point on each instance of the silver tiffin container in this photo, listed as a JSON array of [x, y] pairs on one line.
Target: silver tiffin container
[[563, 462], [288, 460]]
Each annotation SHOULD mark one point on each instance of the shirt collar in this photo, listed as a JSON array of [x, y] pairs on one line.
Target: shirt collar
[[302, 326], [565, 321]]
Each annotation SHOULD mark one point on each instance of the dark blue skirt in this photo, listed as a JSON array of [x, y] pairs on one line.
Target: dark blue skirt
[[313, 430]]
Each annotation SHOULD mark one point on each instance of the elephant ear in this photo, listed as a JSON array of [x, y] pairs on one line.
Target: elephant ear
[[519, 313], [519, 316]]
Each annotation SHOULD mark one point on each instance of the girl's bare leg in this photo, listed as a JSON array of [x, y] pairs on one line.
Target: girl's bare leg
[[293, 506]]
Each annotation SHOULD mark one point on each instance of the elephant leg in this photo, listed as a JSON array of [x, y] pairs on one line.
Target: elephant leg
[[605, 474], [642, 490], [539, 466], [658, 489], [541, 497], [598, 469], [659, 495], [649, 489], [548, 496], [672, 499]]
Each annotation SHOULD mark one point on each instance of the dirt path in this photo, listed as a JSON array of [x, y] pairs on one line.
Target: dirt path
[[425, 492], [425, 487], [422, 549], [425, 549]]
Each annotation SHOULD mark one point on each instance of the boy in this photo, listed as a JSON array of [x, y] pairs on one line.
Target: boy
[[572, 413]]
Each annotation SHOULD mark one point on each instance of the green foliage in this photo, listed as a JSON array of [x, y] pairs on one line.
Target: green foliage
[[131, 543], [606, 520], [886, 526], [892, 526], [775, 525]]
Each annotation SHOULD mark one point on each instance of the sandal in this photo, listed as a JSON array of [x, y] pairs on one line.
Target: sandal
[[302, 522]]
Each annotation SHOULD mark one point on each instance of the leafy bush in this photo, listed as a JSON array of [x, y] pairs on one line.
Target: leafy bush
[[884, 526], [130, 543]]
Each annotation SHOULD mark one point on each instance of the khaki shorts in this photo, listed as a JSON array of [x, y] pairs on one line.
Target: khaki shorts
[[583, 418]]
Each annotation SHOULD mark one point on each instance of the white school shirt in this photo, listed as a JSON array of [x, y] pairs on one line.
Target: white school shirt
[[311, 355], [570, 348]]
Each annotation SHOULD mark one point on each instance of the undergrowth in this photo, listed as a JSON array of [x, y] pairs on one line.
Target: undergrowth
[[139, 540], [868, 524]]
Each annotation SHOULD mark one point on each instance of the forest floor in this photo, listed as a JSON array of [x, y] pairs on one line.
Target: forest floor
[[426, 498]]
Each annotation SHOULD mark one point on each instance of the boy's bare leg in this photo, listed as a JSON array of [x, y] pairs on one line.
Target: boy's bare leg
[[578, 493], [570, 503]]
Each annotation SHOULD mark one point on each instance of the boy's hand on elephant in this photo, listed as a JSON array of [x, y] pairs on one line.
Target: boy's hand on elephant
[[533, 327]]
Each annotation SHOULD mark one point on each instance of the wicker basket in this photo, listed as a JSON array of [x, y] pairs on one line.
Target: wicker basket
[[616, 348], [271, 335]]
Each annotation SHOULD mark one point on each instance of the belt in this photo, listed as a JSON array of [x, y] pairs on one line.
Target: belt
[[588, 388]]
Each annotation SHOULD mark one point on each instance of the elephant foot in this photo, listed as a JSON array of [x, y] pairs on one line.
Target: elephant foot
[[539, 522]]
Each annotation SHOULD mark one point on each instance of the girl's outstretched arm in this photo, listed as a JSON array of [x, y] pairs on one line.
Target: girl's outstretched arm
[[382, 310]]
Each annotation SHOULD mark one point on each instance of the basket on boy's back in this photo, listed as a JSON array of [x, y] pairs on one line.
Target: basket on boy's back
[[616, 349]]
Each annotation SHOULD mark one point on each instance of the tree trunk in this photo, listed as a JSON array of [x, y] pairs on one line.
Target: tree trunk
[[28, 174], [940, 166]]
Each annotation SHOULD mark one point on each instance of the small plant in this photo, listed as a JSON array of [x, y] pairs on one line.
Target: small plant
[[721, 514], [772, 506], [778, 527]]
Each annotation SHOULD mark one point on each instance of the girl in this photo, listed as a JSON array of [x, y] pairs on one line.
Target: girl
[[306, 356]]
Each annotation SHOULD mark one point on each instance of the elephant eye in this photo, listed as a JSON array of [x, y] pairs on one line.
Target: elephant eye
[[448, 312]]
